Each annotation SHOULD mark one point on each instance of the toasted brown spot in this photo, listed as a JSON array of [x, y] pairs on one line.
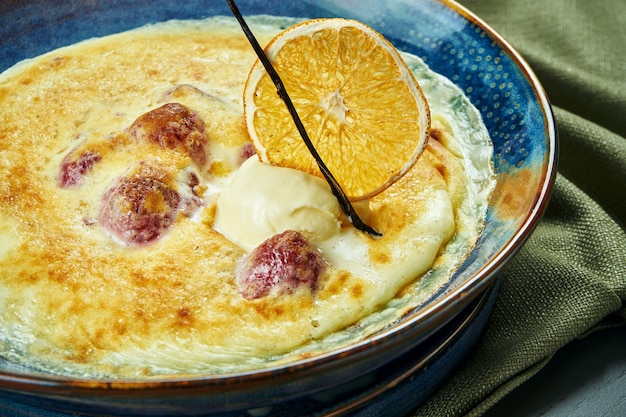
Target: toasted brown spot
[[184, 318], [515, 194], [380, 256], [338, 283], [357, 290], [436, 134], [220, 168], [269, 311], [120, 327]]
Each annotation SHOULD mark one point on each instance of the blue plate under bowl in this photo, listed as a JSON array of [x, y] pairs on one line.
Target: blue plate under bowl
[[453, 42]]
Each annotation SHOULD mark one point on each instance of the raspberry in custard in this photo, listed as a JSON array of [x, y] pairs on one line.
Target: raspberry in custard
[[141, 206], [173, 126], [284, 262], [74, 167]]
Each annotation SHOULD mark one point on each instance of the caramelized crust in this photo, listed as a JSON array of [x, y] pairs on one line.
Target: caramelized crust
[[78, 295]]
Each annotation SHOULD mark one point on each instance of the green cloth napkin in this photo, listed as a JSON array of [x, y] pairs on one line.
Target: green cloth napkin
[[570, 278]]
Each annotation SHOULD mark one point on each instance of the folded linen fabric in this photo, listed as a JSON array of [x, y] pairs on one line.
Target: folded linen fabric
[[570, 278]]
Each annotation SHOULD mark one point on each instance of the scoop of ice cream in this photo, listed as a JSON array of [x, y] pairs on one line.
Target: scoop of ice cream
[[263, 200]]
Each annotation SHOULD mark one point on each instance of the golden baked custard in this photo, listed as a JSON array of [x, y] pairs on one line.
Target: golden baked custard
[[136, 220]]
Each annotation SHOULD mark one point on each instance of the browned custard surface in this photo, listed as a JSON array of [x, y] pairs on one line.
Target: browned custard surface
[[149, 122]]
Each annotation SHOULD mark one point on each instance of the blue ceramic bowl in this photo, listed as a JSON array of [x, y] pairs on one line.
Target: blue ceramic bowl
[[453, 42]]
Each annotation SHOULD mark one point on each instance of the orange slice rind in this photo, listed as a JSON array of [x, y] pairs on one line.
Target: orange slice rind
[[360, 104]]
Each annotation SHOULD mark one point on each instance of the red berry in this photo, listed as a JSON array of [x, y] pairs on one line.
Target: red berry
[[73, 168], [284, 262], [173, 126], [140, 206]]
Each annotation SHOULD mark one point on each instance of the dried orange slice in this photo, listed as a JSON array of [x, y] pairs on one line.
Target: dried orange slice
[[358, 101]]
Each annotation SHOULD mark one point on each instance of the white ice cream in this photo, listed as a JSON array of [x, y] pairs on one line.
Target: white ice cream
[[262, 200]]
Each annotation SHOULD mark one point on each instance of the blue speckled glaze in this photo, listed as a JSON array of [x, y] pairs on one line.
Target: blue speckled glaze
[[451, 41]]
